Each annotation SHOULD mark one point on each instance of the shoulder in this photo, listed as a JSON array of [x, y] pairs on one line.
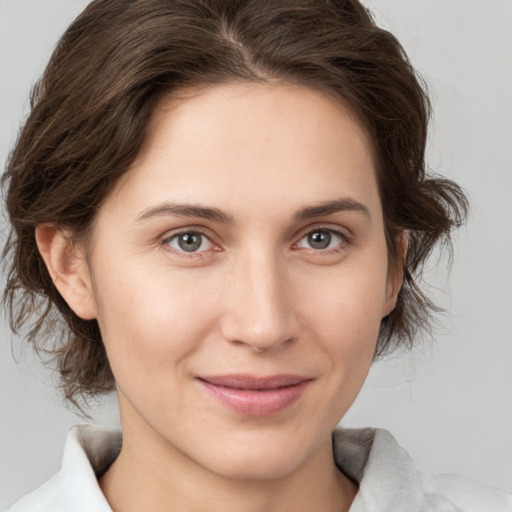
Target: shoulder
[[390, 482], [88, 452], [464, 494]]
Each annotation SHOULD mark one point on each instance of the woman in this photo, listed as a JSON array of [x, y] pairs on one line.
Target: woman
[[226, 203]]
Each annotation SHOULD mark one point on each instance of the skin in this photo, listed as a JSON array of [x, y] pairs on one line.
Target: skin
[[257, 297]]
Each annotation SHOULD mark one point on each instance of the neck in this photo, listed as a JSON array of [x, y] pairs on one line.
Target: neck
[[151, 475]]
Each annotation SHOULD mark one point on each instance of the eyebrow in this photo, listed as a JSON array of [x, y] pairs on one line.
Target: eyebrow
[[330, 207], [187, 210], [215, 214]]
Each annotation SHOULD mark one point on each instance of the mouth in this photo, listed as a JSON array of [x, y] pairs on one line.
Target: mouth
[[255, 396]]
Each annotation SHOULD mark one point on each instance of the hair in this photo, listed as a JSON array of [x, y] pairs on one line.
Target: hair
[[91, 109]]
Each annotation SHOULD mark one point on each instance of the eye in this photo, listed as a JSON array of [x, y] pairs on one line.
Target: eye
[[189, 241], [322, 239]]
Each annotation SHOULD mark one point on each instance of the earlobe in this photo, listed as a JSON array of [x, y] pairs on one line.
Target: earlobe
[[68, 269], [396, 274]]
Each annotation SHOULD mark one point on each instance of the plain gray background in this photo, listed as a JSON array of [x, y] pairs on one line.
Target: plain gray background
[[449, 401]]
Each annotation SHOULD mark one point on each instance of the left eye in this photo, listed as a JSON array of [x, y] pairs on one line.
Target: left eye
[[321, 239], [189, 241]]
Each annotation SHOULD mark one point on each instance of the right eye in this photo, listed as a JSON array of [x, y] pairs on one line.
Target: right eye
[[189, 242]]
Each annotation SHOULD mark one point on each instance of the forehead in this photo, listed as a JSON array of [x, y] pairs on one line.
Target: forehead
[[248, 144]]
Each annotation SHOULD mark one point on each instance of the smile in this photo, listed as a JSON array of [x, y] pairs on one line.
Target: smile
[[253, 396]]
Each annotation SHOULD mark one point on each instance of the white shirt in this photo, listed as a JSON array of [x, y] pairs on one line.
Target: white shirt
[[388, 480]]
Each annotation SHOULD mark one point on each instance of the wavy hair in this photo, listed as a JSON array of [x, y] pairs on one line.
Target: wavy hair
[[90, 112]]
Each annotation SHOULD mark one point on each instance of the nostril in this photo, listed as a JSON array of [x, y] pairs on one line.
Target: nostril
[[264, 345]]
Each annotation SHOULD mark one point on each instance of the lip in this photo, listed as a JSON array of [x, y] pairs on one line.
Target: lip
[[255, 396]]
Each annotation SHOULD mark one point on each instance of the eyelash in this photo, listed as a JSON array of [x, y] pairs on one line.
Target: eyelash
[[344, 242], [181, 253]]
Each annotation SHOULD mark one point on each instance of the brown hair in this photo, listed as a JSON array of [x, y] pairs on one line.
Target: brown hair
[[91, 109]]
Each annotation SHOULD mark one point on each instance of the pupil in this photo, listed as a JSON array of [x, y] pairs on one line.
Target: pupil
[[190, 242], [320, 239]]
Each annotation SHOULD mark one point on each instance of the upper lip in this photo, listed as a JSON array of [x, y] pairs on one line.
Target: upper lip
[[251, 382]]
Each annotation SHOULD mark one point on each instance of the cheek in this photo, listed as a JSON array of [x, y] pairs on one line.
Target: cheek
[[346, 300], [151, 320], [344, 316]]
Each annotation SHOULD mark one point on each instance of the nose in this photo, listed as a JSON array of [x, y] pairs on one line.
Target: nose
[[258, 312]]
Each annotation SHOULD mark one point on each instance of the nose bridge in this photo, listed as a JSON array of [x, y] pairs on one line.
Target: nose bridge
[[258, 313]]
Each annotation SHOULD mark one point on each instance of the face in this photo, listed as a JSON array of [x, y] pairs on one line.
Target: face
[[239, 275]]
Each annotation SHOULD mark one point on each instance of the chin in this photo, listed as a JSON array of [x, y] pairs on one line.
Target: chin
[[257, 464], [253, 455]]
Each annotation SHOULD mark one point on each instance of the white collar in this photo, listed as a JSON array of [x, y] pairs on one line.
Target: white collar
[[388, 480]]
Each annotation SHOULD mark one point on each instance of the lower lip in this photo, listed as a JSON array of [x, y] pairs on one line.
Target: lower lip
[[256, 402]]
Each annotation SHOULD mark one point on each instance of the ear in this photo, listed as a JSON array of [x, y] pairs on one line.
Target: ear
[[68, 269], [396, 273]]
